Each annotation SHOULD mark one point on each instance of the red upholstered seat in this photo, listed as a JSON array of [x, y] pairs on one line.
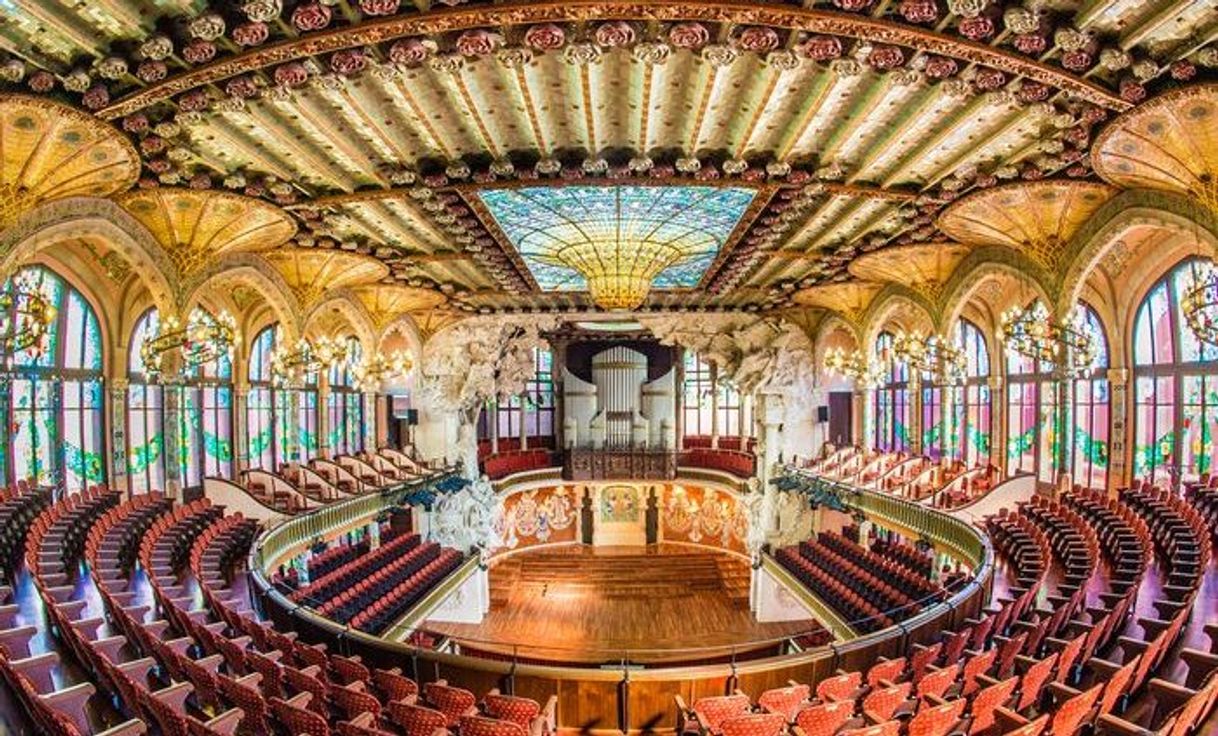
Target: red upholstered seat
[[415, 720], [752, 724], [1034, 728], [987, 700], [453, 702], [511, 708], [298, 720], [839, 687], [824, 719], [480, 726], [713, 711], [786, 701], [937, 720], [881, 705], [890, 728]]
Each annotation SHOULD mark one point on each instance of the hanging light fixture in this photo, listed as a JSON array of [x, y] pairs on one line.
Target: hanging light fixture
[[1067, 345], [290, 366], [854, 365], [201, 340], [374, 371], [25, 318], [933, 355], [1200, 302]]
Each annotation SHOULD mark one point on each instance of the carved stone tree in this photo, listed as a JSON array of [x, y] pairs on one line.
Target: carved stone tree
[[466, 365]]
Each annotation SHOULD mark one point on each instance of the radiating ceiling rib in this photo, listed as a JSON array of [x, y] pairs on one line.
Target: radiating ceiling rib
[[525, 91], [844, 89], [928, 145], [398, 90], [456, 82], [709, 82], [915, 111], [987, 147], [822, 85], [857, 116], [321, 123], [389, 148], [642, 137], [592, 144], [268, 122], [235, 140], [64, 22], [1141, 29], [746, 136]]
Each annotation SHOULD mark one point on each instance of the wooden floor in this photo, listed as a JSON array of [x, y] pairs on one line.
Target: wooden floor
[[581, 604]]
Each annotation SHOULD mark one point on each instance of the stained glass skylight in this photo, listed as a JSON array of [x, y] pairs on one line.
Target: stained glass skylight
[[616, 240]]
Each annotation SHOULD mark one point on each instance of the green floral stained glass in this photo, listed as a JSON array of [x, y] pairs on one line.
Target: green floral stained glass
[[1021, 444], [1154, 456], [87, 465], [260, 442], [145, 455], [1096, 451], [215, 447]]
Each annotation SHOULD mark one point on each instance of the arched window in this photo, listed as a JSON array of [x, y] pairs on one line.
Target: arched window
[[1175, 384], [971, 402], [345, 404], [306, 404], [1091, 411], [890, 406], [204, 399], [55, 411], [263, 435], [1031, 408], [539, 419], [145, 415], [696, 396]]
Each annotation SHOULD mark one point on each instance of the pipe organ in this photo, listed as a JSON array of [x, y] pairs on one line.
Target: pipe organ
[[619, 408]]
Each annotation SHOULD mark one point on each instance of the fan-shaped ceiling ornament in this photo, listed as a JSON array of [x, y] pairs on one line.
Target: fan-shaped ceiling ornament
[[433, 320], [925, 268], [310, 273], [49, 151], [848, 298], [1036, 218], [195, 227], [386, 302], [1170, 142]]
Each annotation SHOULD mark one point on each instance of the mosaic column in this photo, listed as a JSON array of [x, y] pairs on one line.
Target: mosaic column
[[117, 472], [173, 398], [914, 428], [324, 448], [292, 450], [1063, 461], [369, 430], [1118, 404], [241, 429]]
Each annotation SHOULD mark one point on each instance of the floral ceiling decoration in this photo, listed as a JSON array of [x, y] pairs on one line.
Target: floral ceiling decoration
[[923, 268], [1170, 143], [1035, 218], [380, 122], [51, 151], [311, 274]]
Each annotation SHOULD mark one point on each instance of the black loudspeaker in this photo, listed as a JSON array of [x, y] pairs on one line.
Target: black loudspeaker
[[822, 414], [412, 417]]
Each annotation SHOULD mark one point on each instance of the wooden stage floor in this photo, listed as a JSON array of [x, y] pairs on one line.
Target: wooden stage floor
[[589, 604]]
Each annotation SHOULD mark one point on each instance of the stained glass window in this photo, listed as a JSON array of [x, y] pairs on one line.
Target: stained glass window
[[260, 407], [729, 409], [539, 417], [145, 415], [1032, 440], [55, 417], [553, 227], [891, 406], [345, 405], [1091, 412], [971, 402], [696, 396], [1175, 385]]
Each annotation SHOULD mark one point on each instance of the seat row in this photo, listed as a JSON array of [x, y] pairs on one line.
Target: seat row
[[893, 572], [506, 463], [326, 587]]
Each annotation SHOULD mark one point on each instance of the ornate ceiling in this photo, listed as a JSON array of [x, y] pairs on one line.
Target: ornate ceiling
[[383, 126]]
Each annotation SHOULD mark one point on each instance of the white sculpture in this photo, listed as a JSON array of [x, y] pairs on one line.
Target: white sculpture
[[485, 357]]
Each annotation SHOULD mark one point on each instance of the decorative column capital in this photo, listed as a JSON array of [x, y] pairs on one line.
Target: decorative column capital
[[1118, 376]]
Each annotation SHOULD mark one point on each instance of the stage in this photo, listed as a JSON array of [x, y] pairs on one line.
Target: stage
[[664, 603]]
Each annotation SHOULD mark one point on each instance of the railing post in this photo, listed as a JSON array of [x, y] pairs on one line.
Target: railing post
[[623, 698]]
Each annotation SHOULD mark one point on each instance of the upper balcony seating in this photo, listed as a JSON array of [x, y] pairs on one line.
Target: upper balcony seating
[[486, 447], [507, 463], [339, 577], [738, 463]]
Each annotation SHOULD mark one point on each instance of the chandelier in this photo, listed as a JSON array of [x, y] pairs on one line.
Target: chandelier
[[370, 374], [25, 317], [1200, 303], [934, 355], [1066, 345], [854, 365], [290, 366], [201, 340]]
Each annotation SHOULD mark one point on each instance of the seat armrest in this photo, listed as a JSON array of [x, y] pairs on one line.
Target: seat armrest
[[226, 722], [133, 727]]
